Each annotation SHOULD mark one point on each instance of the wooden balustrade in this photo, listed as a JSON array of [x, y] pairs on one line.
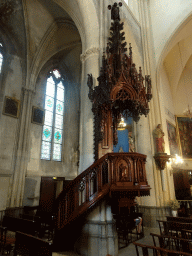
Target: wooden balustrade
[[112, 172]]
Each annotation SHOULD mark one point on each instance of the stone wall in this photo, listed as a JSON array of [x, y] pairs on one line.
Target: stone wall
[[151, 214]]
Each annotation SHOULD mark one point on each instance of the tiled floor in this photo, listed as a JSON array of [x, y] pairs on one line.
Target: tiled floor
[[147, 239], [127, 251]]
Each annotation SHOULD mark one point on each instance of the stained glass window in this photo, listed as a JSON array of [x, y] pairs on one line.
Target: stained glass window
[[1, 56], [52, 134]]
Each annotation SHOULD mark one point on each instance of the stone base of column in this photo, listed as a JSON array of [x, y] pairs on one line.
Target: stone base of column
[[152, 213], [98, 238]]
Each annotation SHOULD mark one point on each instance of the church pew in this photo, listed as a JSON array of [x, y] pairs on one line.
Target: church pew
[[172, 243], [27, 245], [148, 250]]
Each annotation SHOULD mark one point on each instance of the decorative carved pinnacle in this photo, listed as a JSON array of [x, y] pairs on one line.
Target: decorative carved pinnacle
[[115, 11]]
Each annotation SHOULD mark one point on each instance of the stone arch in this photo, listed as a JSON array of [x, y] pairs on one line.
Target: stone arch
[[41, 57], [86, 20], [177, 35], [87, 28]]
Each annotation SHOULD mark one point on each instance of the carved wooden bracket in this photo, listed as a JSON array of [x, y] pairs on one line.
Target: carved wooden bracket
[[161, 159]]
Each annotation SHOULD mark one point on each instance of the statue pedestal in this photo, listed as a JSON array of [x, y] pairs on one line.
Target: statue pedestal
[[161, 159]]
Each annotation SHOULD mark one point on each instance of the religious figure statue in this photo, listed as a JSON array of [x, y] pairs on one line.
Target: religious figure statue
[[115, 11], [159, 140], [131, 143], [90, 81], [123, 173]]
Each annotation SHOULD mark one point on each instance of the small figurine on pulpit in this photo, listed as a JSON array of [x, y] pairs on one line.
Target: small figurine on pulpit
[[123, 173], [131, 143], [159, 140]]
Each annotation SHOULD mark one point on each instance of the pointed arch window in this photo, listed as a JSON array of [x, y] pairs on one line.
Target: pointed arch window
[[52, 135], [1, 57]]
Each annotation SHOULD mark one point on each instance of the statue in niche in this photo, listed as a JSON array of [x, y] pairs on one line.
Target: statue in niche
[[159, 140], [123, 173], [131, 143], [75, 156]]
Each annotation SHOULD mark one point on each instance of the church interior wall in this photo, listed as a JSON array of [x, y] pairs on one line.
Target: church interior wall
[[75, 44], [11, 86], [166, 18]]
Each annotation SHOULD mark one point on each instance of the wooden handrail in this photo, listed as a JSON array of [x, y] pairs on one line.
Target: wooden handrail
[[113, 171]]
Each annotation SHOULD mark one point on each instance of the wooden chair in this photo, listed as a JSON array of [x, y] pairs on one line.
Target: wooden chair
[[27, 245], [186, 234], [173, 228], [163, 227], [172, 243], [146, 250], [6, 241], [179, 219], [14, 224], [122, 230]]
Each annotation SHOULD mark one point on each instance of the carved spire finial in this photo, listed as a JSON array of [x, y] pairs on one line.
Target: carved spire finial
[[115, 11]]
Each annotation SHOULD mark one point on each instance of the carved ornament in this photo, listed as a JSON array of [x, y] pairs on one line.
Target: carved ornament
[[88, 53], [161, 159]]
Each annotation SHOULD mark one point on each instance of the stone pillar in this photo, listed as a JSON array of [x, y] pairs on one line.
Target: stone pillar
[[17, 183], [90, 65], [98, 236]]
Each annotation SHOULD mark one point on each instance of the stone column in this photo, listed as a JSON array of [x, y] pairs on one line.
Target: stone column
[[90, 65], [16, 188], [98, 236], [153, 207]]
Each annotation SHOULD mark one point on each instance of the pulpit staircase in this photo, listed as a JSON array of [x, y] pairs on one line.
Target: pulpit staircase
[[116, 175]]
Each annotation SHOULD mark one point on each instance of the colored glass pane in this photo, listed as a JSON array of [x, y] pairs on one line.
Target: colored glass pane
[[49, 103], [50, 90], [51, 141], [58, 136], [1, 61], [60, 94], [45, 150], [59, 107], [47, 131], [56, 73], [48, 118], [59, 121], [57, 152]]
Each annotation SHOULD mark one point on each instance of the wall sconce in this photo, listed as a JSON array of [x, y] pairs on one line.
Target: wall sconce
[[176, 163]]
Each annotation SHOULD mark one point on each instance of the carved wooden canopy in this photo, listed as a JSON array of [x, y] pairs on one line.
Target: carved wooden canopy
[[121, 90]]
